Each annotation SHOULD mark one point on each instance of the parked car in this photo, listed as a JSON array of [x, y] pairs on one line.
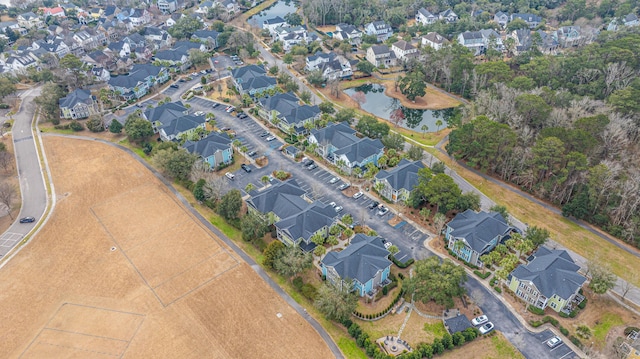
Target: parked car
[[334, 180], [242, 115], [194, 74], [230, 109], [230, 175], [199, 113], [383, 210], [265, 133], [354, 224], [338, 209], [245, 168], [227, 108], [203, 72], [479, 320], [312, 166], [251, 154], [175, 86], [307, 162], [358, 195], [333, 204], [270, 138], [182, 80], [344, 186], [554, 342], [373, 204], [486, 328], [215, 104], [27, 220], [387, 245]]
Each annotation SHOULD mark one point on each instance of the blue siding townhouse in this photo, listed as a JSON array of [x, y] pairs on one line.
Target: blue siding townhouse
[[139, 80], [252, 79], [164, 113], [181, 127], [472, 234], [285, 109], [365, 261], [278, 202], [398, 183], [298, 229], [215, 149]]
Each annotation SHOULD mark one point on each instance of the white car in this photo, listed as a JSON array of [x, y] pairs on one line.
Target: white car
[[199, 113], [333, 204], [383, 211], [387, 245], [486, 328], [334, 180], [554, 342], [479, 320], [358, 195], [270, 138], [338, 209]]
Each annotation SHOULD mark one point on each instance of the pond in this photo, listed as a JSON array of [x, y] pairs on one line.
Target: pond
[[279, 8], [372, 99]]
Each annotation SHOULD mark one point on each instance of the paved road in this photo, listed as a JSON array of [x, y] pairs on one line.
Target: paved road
[[32, 187]]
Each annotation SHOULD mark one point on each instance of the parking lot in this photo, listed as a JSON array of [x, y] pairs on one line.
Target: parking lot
[[560, 351]]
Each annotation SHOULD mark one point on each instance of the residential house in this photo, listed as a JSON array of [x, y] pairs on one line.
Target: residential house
[[168, 6], [156, 37], [290, 36], [532, 20], [57, 47], [548, 44], [365, 261], [359, 153], [501, 18], [204, 7], [313, 62], [472, 234], [165, 113], [110, 11], [348, 32], [119, 49], [330, 65], [215, 149], [53, 11], [230, 6], [207, 37], [95, 13], [89, 39], [78, 104], [434, 40], [139, 17], [299, 228], [630, 346], [100, 59], [567, 36], [380, 29], [398, 183], [274, 23], [425, 17], [101, 74], [332, 137], [135, 40], [631, 20], [182, 127], [139, 80], [252, 79], [279, 201], [29, 20], [173, 19], [457, 324], [523, 40], [403, 50], [448, 16], [479, 41], [177, 60], [550, 279], [381, 55], [285, 111], [20, 62]]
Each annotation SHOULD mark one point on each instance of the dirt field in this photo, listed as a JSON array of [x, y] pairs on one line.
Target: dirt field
[[122, 269]]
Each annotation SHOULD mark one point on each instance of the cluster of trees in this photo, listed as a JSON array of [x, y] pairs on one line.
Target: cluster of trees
[[440, 189], [8, 192], [436, 281]]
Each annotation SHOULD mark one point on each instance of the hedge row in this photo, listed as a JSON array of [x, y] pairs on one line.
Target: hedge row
[[536, 310], [379, 314], [401, 264], [484, 275], [553, 321]]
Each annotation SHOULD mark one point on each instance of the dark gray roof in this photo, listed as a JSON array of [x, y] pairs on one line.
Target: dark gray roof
[[203, 34], [553, 272], [361, 260], [182, 124], [379, 25], [209, 145], [274, 20], [630, 18], [472, 35], [170, 55], [478, 228], [338, 134], [283, 199], [457, 324], [380, 49], [165, 112], [526, 17], [253, 77], [425, 12], [361, 150], [403, 45], [304, 224], [288, 105], [405, 175], [322, 55], [138, 73], [75, 97], [436, 38]]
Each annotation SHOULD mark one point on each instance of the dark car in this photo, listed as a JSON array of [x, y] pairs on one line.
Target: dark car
[[312, 166], [174, 86], [215, 105], [27, 220], [245, 168], [251, 154], [265, 133], [373, 204], [242, 116]]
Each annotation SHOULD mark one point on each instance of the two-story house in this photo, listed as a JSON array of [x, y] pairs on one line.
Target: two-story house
[[404, 51], [348, 32], [285, 111], [279, 201], [365, 261], [207, 37], [358, 154], [29, 20], [299, 228], [448, 16], [332, 137], [163, 114], [472, 234], [272, 24], [139, 80], [139, 17], [434, 40], [630, 20], [380, 29], [290, 36], [381, 55], [182, 127], [78, 104], [425, 17], [215, 150], [550, 279], [329, 64], [252, 79], [119, 49], [399, 182], [170, 6], [479, 41], [501, 18], [568, 36], [532, 20]]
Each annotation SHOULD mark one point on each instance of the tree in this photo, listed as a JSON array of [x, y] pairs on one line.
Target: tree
[[115, 126], [336, 301], [253, 227], [318, 239], [293, 19], [439, 220], [185, 27], [326, 107], [230, 205], [305, 96], [370, 127], [397, 116], [415, 153], [602, 279], [6, 87], [534, 110], [438, 124], [95, 124], [443, 192], [393, 249], [502, 210], [198, 57], [393, 141], [137, 128], [537, 236], [271, 253], [175, 163], [315, 78], [516, 24], [7, 196], [435, 281], [292, 262], [413, 85], [365, 67], [288, 59], [345, 115], [48, 101], [468, 200], [424, 129]]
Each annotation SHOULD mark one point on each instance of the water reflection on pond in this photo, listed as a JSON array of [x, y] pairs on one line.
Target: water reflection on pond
[[279, 8]]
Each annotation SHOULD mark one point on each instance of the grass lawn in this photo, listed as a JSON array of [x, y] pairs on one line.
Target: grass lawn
[[496, 347], [435, 328], [563, 231], [350, 349], [608, 321]]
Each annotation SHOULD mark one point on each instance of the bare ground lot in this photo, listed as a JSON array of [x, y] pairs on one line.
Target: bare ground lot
[[122, 270]]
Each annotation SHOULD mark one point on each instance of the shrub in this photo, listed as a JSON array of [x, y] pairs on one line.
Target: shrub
[[482, 275], [564, 331], [583, 304], [401, 276], [401, 264], [576, 341], [498, 289], [552, 320], [573, 313], [4, 106], [535, 323], [563, 315], [309, 291], [385, 290], [536, 310], [297, 283]]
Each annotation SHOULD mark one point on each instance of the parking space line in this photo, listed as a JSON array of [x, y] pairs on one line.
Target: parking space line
[[571, 352], [559, 345]]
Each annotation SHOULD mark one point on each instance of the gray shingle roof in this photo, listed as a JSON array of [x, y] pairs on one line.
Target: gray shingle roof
[[304, 224], [274, 20], [338, 134], [165, 112], [75, 97], [287, 104], [552, 272], [361, 150], [380, 49], [405, 175], [435, 38], [478, 228], [209, 145], [457, 324], [361, 260], [182, 124], [283, 199]]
